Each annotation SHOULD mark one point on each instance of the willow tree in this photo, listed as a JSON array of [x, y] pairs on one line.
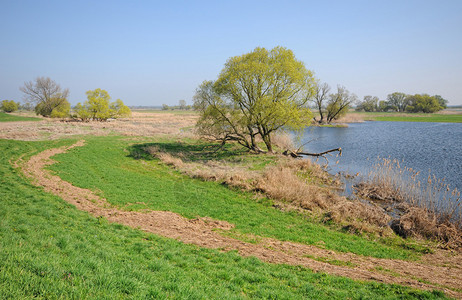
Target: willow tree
[[98, 107], [255, 95], [48, 97]]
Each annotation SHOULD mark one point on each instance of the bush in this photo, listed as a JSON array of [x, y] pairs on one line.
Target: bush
[[9, 106], [98, 107], [56, 107]]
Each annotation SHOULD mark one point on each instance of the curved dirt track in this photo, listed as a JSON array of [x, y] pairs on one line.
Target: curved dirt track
[[442, 270]]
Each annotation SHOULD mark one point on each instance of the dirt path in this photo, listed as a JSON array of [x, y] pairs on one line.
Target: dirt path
[[442, 270]]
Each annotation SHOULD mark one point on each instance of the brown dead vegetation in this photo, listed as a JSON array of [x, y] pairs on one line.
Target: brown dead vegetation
[[140, 124], [428, 211], [294, 185]]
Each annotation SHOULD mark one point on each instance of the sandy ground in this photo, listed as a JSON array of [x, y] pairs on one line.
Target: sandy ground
[[442, 270]]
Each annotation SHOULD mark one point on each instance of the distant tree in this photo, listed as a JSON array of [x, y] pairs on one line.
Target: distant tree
[[98, 107], [182, 104], [320, 100], [443, 102], [383, 106], [423, 103], [256, 94], [339, 103], [398, 101], [9, 106], [165, 107], [118, 109], [369, 104], [45, 94], [62, 110], [26, 106]]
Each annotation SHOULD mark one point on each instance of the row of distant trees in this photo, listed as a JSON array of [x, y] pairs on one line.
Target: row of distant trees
[[181, 106], [401, 102], [48, 99]]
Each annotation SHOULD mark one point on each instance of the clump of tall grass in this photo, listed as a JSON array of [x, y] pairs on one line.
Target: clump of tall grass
[[430, 208]]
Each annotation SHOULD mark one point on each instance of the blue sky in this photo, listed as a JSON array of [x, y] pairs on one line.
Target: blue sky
[[155, 52]]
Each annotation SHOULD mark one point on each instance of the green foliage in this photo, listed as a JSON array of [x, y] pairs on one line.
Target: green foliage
[[397, 101], [369, 104], [47, 95], [61, 111], [256, 94], [118, 109], [165, 107], [423, 103], [98, 107], [383, 106], [55, 107], [442, 102], [339, 103], [401, 102], [9, 106]]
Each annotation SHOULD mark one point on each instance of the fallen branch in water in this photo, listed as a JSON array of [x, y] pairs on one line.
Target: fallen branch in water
[[300, 154], [297, 154]]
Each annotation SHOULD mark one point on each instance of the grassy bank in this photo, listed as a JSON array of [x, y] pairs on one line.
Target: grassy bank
[[113, 167], [4, 117], [409, 117], [51, 250]]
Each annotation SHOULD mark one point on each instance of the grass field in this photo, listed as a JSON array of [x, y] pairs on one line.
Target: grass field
[[50, 250], [4, 117], [107, 165], [408, 117]]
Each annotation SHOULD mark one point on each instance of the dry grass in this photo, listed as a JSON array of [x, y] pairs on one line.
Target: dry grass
[[350, 118], [140, 124], [293, 184], [430, 209]]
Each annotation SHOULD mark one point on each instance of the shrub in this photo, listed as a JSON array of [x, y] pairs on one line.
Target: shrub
[[98, 107], [9, 106]]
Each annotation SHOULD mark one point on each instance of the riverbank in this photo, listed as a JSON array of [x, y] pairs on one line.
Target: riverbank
[[445, 116]]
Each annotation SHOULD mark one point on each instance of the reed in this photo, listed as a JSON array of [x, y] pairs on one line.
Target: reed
[[431, 208]]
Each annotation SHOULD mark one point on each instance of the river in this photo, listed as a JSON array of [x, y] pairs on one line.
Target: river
[[424, 147]]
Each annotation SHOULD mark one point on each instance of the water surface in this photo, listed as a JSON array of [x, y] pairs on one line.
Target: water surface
[[421, 146]]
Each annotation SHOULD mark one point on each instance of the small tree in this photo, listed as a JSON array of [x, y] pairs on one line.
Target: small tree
[[9, 106], [45, 94], [383, 106], [369, 104], [320, 100], [256, 94], [165, 107], [339, 103], [182, 104], [98, 107], [118, 109], [443, 102], [398, 101]]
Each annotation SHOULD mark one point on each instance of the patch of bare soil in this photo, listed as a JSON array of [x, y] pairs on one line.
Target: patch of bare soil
[[442, 270]]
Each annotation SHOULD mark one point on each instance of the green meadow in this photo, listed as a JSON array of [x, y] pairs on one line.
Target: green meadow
[[410, 117], [4, 117], [51, 250]]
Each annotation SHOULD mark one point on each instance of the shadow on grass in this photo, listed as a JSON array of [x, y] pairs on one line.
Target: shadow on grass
[[192, 152]]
